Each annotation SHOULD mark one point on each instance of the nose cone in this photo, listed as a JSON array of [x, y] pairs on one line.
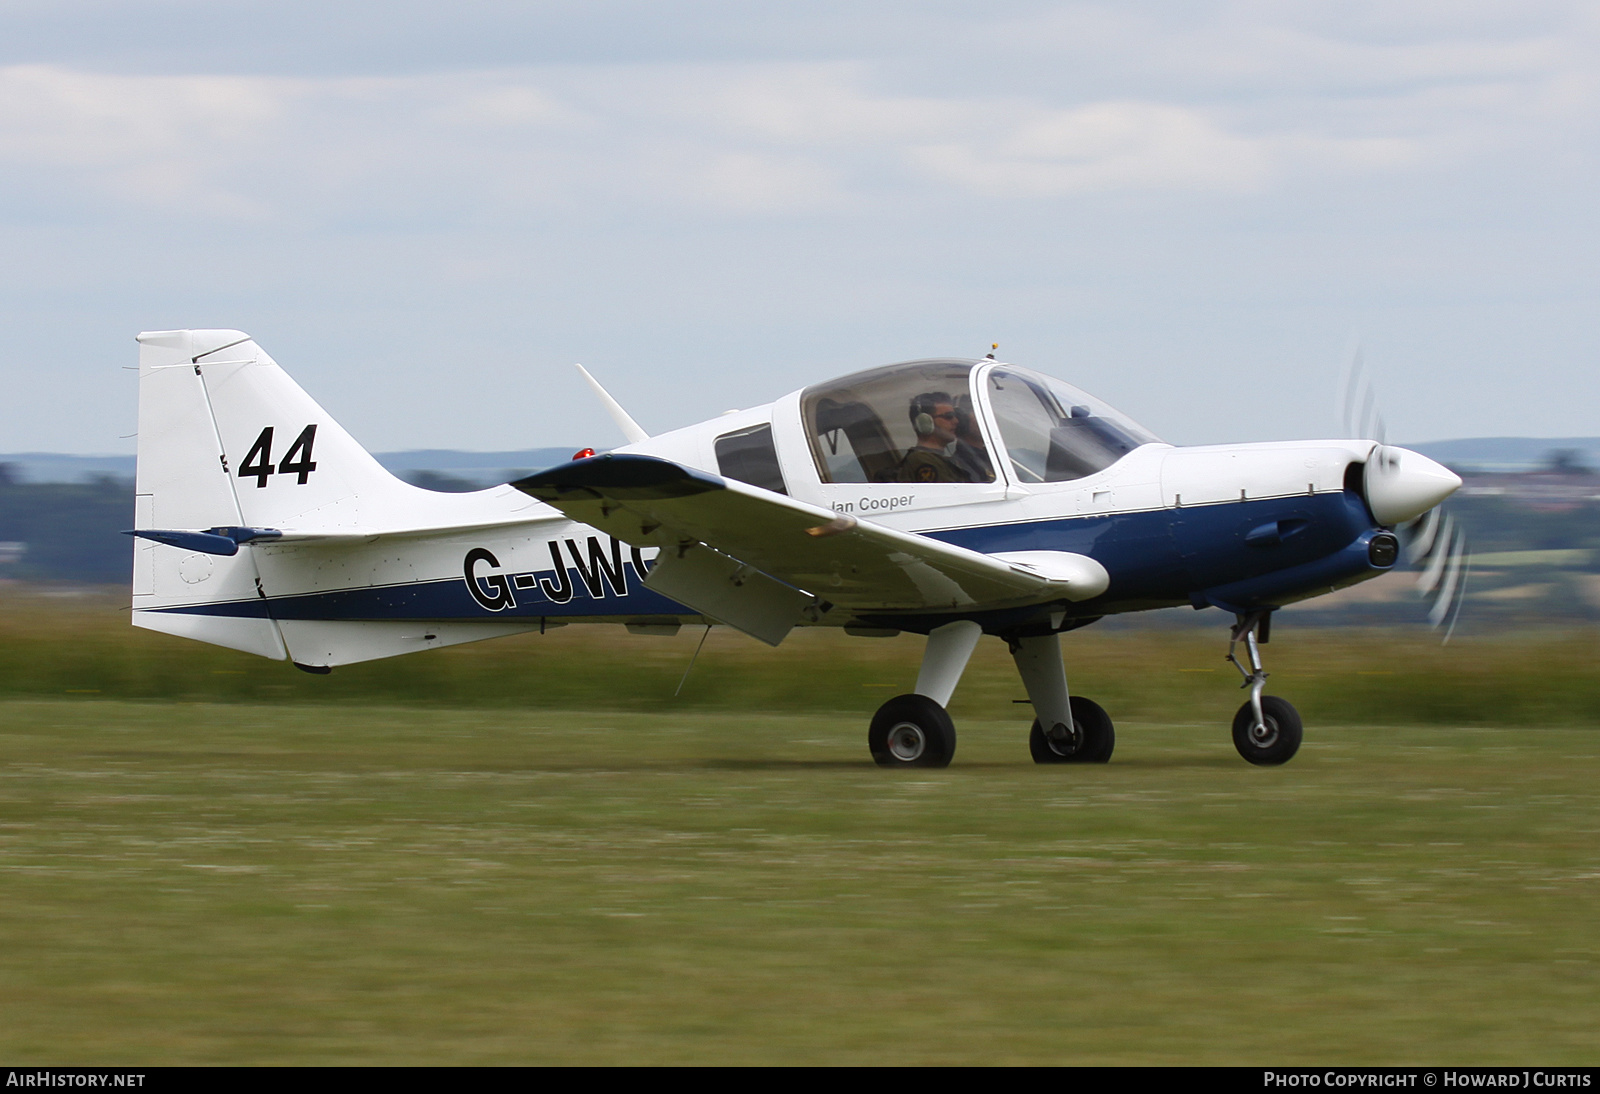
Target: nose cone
[[1402, 485]]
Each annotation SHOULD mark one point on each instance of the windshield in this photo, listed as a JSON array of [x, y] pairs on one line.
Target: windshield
[[1055, 433]]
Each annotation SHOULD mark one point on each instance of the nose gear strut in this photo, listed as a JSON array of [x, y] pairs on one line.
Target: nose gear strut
[[1267, 729], [1248, 625]]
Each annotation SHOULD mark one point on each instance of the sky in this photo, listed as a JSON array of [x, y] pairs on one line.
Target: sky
[[426, 213]]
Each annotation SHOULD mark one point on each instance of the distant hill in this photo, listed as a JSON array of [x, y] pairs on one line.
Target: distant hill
[[1535, 537], [67, 531], [62, 517], [475, 468], [449, 468], [53, 467], [1508, 453]]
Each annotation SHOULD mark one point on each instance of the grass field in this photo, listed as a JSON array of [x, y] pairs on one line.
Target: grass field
[[83, 646], [465, 875]]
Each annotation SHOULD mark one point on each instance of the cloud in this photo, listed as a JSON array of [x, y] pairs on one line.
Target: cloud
[[1162, 190], [1104, 146], [1092, 100], [144, 139], [60, 117], [510, 106], [737, 138]]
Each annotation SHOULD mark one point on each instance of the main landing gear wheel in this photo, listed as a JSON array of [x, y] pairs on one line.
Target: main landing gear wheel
[[912, 731], [1276, 740], [1089, 741]]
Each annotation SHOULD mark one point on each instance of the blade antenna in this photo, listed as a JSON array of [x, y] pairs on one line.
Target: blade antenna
[[692, 660], [630, 428]]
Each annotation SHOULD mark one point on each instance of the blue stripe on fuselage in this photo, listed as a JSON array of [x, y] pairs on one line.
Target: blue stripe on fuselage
[[1155, 558], [1164, 555], [449, 598]]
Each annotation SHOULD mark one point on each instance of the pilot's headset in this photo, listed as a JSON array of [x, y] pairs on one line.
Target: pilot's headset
[[922, 408]]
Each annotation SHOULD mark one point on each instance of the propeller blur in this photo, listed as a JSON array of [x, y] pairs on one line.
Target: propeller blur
[[1398, 488], [952, 498]]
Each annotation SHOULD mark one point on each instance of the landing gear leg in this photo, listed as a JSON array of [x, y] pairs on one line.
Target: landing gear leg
[[1079, 730], [1267, 730], [915, 730]]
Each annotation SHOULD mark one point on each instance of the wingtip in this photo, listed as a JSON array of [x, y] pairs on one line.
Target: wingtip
[[621, 476]]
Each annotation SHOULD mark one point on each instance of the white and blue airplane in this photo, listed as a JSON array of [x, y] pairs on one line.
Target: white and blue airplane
[[952, 498]]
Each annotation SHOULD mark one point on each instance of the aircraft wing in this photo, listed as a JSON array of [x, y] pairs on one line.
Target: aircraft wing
[[648, 501]]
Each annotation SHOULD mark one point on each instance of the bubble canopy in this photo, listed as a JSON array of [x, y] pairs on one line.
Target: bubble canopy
[[923, 421]]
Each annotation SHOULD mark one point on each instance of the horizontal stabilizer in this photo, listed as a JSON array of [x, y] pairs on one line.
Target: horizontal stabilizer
[[213, 541]]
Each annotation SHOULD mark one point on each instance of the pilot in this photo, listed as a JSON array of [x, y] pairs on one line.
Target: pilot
[[934, 417]]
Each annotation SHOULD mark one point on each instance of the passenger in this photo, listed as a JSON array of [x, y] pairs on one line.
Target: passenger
[[933, 416]]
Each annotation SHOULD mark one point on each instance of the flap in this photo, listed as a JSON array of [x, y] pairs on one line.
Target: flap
[[647, 501], [728, 591]]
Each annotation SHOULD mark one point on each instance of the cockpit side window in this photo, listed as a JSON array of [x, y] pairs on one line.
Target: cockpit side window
[[750, 456], [904, 423], [1055, 433]]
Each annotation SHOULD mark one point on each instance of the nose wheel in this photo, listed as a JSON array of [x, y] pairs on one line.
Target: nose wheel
[[1274, 739], [1267, 730]]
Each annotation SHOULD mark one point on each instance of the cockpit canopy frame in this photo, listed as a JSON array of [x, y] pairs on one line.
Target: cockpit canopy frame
[[920, 421]]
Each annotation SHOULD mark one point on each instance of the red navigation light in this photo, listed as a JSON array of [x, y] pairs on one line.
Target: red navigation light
[[583, 454]]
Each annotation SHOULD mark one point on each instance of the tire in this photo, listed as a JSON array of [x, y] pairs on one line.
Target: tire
[[1282, 737], [1093, 737], [912, 731]]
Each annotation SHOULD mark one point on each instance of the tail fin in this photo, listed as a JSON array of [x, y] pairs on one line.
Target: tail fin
[[282, 459], [228, 440]]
